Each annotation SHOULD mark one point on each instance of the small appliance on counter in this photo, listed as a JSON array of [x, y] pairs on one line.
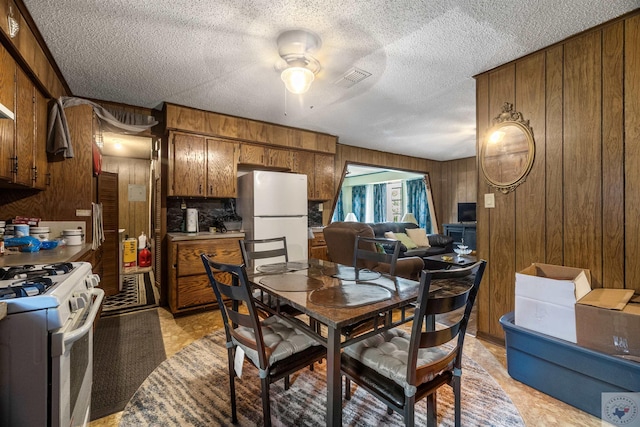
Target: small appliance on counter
[[192, 221]]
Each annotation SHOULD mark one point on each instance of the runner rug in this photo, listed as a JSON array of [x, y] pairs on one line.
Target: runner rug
[[126, 348], [192, 388]]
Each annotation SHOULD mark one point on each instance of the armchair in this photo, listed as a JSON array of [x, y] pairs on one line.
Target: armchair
[[341, 237]]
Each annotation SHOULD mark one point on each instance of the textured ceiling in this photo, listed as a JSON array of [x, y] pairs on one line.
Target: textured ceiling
[[220, 56]]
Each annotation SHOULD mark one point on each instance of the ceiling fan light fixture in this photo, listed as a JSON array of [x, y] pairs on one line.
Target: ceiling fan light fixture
[[297, 79], [295, 48]]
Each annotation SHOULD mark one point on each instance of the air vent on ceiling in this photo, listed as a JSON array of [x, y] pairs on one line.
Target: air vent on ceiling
[[351, 77]]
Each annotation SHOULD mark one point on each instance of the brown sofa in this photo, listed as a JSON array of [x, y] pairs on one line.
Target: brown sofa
[[341, 238]]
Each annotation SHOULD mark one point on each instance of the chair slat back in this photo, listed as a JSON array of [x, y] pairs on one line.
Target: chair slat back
[[263, 249], [462, 290], [240, 310], [365, 249]]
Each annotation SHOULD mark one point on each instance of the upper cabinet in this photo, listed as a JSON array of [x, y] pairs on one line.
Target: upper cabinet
[[7, 126], [205, 149], [22, 140], [222, 168], [319, 169], [201, 166]]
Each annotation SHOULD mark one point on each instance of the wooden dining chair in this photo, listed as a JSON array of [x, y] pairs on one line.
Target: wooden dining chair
[[272, 345], [369, 252], [255, 249], [400, 368]]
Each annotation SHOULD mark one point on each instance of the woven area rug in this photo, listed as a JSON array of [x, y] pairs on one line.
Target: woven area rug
[[126, 349], [137, 293], [192, 388]]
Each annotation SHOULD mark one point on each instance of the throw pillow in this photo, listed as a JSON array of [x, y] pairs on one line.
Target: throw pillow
[[405, 240], [418, 235], [390, 235]]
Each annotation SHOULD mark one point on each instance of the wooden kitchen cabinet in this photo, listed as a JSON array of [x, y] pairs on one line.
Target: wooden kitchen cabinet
[[7, 97], [189, 286], [318, 246], [187, 165], [201, 166], [273, 158], [222, 168], [22, 140], [319, 169]]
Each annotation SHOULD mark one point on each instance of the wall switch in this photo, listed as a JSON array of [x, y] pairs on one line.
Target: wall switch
[[489, 200], [83, 212]]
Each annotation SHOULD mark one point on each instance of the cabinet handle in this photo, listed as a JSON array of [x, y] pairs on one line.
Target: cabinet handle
[[35, 173], [15, 164], [210, 189], [200, 189]]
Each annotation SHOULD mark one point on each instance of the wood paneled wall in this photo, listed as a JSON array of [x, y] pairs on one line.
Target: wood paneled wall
[[72, 186], [134, 217], [580, 203], [458, 183]]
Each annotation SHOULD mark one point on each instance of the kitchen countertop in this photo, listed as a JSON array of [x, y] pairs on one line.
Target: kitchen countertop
[[49, 256], [204, 235]]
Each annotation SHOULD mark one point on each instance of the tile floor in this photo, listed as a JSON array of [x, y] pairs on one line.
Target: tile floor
[[536, 408]]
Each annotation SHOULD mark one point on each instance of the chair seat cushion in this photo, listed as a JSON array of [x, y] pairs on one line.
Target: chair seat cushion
[[386, 353], [278, 334]]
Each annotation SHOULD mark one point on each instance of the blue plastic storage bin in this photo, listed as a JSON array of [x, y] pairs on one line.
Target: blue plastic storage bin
[[564, 370]]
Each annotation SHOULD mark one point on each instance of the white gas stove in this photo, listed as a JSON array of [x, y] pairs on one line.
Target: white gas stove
[[46, 342]]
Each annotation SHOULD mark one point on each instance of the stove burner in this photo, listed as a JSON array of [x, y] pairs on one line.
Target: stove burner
[[30, 271], [26, 288]]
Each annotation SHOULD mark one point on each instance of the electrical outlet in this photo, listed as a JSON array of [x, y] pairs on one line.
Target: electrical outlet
[[320, 208], [83, 212], [489, 200]]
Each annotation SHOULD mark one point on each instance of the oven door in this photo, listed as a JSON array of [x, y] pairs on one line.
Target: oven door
[[72, 365]]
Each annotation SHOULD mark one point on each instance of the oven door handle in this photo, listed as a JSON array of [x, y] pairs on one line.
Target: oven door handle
[[71, 337]]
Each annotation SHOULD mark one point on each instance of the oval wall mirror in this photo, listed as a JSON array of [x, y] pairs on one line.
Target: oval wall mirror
[[507, 151]]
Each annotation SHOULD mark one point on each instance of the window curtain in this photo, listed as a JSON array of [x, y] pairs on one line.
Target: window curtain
[[379, 202], [417, 202], [359, 201], [338, 213]]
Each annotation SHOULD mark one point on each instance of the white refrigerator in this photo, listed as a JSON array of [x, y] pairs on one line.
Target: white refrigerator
[[274, 204]]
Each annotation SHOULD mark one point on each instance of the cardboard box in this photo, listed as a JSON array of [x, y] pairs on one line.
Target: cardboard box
[[608, 320], [129, 252], [546, 296]]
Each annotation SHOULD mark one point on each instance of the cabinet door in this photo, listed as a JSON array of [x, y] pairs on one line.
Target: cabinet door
[[7, 93], [222, 168], [324, 177], [25, 130], [252, 155], [280, 158], [40, 173], [304, 163], [188, 161]]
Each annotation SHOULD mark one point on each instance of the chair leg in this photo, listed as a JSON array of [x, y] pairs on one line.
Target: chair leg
[[287, 384], [457, 397], [347, 388], [410, 412], [266, 409], [432, 410], [232, 386]]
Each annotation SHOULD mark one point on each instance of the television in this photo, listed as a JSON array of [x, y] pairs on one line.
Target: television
[[466, 212]]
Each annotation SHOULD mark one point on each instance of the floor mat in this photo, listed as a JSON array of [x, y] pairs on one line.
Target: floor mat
[[137, 292]]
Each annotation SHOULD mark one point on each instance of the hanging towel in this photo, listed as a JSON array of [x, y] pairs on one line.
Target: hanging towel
[[58, 136], [98, 230]]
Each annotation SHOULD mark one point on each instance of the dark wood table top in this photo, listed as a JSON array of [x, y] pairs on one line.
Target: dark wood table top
[[453, 259]]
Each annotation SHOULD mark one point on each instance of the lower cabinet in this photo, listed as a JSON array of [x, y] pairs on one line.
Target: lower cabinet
[[189, 287], [318, 247]]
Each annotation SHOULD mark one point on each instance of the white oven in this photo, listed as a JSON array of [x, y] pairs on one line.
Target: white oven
[[46, 345]]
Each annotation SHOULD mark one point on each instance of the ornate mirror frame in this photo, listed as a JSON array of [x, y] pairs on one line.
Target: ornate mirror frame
[[507, 151]]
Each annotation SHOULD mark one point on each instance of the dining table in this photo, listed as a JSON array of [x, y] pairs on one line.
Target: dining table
[[342, 304]]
